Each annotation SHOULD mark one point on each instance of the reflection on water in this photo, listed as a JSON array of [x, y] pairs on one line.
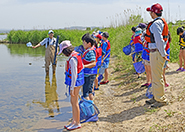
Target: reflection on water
[[51, 96], [21, 84]]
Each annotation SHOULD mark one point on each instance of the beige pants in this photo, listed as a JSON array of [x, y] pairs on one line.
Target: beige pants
[[157, 64], [49, 58]]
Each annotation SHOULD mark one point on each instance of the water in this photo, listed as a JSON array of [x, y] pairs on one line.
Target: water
[[2, 37], [29, 101]]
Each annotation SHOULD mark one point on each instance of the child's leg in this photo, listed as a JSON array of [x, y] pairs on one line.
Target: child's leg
[[96, 82], [164, 78], [180, 58], [75, 106], [90, 87], [149, 73], [147, 77], [106, 74], [183, 56]]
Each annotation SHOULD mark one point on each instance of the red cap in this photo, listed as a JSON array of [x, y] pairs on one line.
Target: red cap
[[99, 36], [156, 8]]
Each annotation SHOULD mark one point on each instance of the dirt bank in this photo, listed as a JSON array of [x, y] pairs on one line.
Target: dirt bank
[[123, 109]]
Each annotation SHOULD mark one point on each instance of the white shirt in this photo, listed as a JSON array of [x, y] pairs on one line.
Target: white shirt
[[51, 42], [73, 66]]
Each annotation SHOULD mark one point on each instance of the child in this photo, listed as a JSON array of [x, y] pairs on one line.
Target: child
[[90, 68], [99, 53], [181, 33], [138, 43], [167, 49], [146, 62], [74, 79], [106, 48], [132, 43], [138, 46]]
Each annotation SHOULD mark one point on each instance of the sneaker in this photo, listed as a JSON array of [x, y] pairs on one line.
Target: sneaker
[[96, 88], [104, 82], [167, 85], [74, 127], [151, 101], [149, 86], [180, 69], [68, 125], [145, 85], [159, 104]]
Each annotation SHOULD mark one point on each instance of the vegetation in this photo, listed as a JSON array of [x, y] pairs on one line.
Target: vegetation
[[120, 35]]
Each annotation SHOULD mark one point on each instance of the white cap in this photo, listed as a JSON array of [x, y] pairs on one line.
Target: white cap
[[50, 31]]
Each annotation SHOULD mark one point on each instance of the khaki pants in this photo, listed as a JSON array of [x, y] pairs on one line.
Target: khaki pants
[[49, 58], [157, 64]]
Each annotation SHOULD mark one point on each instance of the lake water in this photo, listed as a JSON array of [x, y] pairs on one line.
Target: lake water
[[2, 37], [30, 101]]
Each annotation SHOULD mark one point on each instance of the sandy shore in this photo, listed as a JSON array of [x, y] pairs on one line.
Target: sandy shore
[[123, 109]]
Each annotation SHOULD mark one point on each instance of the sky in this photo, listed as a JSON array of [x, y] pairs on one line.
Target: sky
[[55, 14]]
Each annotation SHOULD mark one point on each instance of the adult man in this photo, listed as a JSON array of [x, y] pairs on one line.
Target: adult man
[[157, 37], [50, 44]]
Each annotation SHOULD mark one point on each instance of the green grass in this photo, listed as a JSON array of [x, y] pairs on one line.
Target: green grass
[[119, 37]]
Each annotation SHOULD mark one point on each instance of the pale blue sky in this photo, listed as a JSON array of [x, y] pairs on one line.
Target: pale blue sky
[[53, 14]]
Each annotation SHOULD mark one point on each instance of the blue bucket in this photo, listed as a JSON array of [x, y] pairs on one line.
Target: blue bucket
[[88, 111], [127, 49], [139, 67]]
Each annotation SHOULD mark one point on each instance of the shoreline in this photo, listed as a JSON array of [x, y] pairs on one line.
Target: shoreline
[[123, 109]]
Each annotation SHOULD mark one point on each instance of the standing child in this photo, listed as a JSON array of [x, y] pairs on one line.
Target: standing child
[[146, 62], [90, 67], [99, 53], [106, 48], [181, 33], [74, 79], [167, 49]]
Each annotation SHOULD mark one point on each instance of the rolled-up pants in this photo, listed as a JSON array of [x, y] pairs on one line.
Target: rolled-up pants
[[49, 58], [157, 64]]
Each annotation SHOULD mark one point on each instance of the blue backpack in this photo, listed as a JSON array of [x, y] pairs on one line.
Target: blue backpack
[[88, 111]]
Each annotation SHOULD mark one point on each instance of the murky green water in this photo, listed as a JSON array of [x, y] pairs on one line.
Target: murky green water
[[29, 101]]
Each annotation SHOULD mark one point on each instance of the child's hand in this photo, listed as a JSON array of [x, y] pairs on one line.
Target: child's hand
[[166, 58], [72, 93]]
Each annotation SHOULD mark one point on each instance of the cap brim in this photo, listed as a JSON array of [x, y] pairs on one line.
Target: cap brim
[[148, 9]]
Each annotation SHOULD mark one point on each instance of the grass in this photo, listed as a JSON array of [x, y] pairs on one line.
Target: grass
[[170, 113], [119, 37], [151, 111]]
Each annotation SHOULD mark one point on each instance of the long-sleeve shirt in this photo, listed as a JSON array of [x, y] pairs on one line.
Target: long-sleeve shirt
[[157, 28], [73, 66]]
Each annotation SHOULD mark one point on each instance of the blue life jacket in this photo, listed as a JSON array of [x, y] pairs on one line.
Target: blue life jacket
[[93, 70], [145, 54], [80, 71], [107, 54]]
